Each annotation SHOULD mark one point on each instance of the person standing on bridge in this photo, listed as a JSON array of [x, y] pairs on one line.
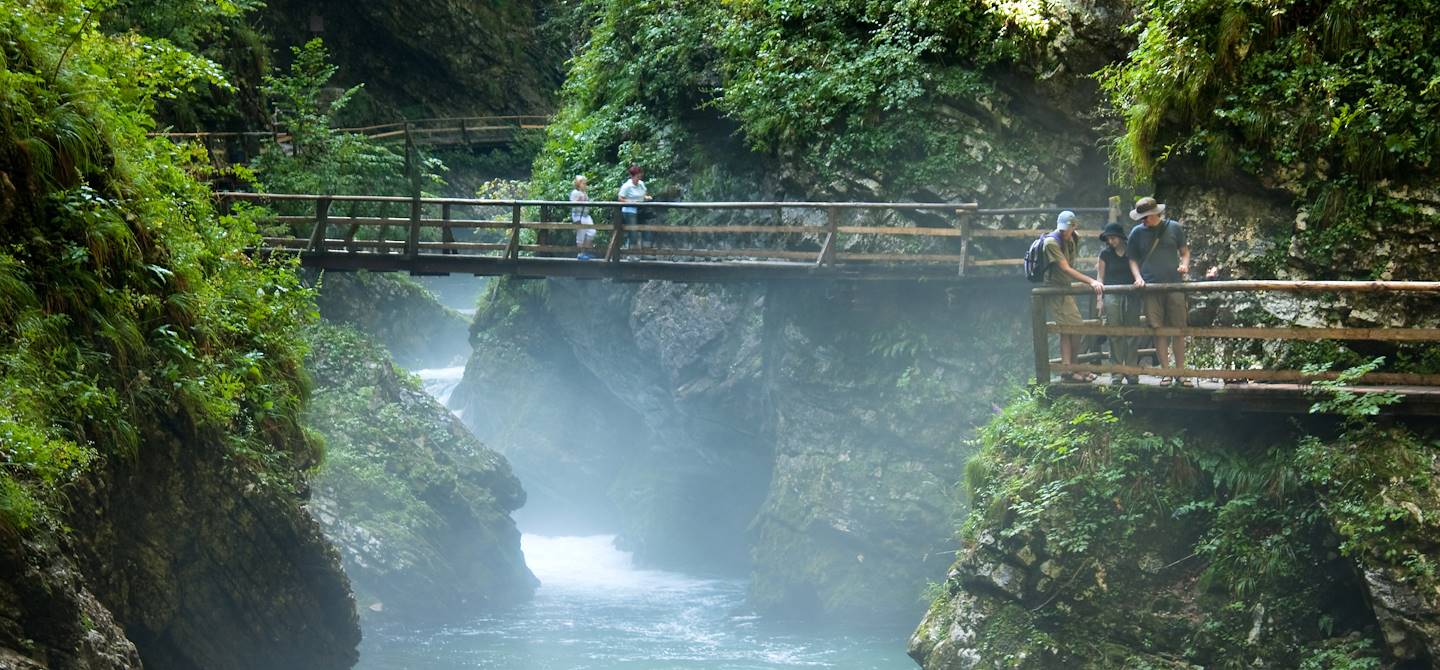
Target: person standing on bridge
[[1159, 254], [1118, 309], [633, 190], [580, 216], [1060, 249]]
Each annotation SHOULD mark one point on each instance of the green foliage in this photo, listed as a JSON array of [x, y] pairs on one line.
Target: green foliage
[[319, 159], [835, 88], [1380, 487], [1331, 99], [1341, 399], [129, 304], [1159, 524]]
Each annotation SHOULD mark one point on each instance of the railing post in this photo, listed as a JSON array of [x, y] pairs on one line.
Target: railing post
[[1114, 214], [464, 133], [412, 237], [1041, 337], [617, 236], [964, 240], [512, 250], [447, 236], [832, 225], [322, 219]]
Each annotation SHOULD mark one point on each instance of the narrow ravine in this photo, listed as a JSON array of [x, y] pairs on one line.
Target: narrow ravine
[[595, 609]]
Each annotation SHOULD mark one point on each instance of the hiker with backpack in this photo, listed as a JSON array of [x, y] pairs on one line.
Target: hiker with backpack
[[1159, 254], [1057, 255]]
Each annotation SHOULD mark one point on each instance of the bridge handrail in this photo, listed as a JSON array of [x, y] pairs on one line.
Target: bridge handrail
[[829, 234], [489, 202], [1042, 328], [518, 119]]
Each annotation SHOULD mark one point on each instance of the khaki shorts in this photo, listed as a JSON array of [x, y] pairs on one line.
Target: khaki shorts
[[1062, 310], [1166, 310]]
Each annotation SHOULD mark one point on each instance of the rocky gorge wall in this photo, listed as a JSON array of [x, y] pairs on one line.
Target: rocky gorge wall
[[809, 436], [1104, 538], [418, 509]]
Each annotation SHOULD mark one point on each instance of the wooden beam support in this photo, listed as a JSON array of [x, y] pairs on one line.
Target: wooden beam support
[[616, 248], [1040, 339], [322, 220], [447, 235], [832, 226], [512, 249]]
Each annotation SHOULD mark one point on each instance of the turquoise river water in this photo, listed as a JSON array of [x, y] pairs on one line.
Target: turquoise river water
[[595, 611]]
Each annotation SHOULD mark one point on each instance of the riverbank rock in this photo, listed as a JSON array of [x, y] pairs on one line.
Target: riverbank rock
[[417, 507]]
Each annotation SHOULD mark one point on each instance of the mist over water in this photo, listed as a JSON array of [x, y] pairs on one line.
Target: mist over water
[[441, 382], [595, 610]]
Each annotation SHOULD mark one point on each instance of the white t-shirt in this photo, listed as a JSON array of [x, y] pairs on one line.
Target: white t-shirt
[[634, 191]]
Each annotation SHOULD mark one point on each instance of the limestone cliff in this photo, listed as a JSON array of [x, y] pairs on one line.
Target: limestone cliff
[[418, 508], [809, 436]]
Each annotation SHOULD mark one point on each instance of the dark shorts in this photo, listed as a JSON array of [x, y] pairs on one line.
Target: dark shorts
[[1167, 309]]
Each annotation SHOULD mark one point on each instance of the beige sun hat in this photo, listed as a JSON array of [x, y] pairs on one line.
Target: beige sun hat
[[1145, 207]]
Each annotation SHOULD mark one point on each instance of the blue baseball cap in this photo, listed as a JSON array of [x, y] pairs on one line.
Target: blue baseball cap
[[1065, 221]]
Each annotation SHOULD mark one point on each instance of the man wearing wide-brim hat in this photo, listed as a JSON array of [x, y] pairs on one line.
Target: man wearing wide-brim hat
[[1159, 254]]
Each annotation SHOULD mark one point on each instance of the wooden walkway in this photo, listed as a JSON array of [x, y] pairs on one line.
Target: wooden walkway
[[1247, 385], [674, 241], [230, 148]]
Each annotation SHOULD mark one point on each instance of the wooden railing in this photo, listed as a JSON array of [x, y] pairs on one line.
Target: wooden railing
[[813, 233], [443, 130], [1044, 365]]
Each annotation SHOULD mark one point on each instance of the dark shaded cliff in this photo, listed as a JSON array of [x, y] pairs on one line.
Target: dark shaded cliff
[[435, 57]]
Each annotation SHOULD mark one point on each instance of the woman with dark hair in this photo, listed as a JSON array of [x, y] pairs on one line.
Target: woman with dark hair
[[633, 190], [1118, 309]]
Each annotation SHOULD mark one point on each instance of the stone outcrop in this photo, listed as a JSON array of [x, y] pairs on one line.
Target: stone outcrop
[[182, 557], [807, 435], [417, 507], [396, 312]]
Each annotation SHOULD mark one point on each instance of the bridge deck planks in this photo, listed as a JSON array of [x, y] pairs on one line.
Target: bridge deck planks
[[1255, 397], [632, 269]]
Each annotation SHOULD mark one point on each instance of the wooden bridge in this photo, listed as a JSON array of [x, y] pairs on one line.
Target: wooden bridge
[[676, 241], [1240, 372], [228, 148]]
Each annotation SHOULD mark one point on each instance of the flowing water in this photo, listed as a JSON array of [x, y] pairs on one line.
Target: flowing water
[[595, 611], [441, 382]]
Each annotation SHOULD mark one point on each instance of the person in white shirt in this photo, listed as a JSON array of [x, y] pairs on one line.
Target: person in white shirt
[[633, 190], [580, 216]]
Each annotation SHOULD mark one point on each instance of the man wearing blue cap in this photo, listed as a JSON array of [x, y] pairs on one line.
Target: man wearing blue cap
[[1060, 248]]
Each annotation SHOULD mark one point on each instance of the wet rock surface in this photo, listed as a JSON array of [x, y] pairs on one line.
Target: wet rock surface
[[791, 433], [417, 507]]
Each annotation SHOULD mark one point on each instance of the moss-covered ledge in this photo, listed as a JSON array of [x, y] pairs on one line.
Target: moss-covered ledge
[[419, 509], [1098, 540]]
